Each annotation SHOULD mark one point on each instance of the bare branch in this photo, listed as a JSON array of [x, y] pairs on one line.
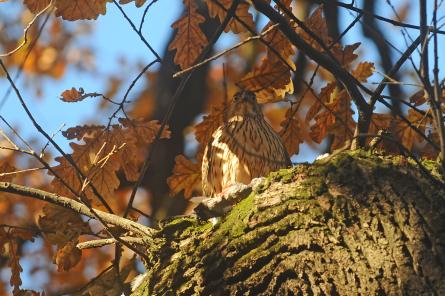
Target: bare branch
[[77, 207]]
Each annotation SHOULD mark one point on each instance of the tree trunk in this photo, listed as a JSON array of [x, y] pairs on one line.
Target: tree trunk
[[354, 225]]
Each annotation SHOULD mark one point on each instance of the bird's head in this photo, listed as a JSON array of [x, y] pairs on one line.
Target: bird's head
[[244, 104]]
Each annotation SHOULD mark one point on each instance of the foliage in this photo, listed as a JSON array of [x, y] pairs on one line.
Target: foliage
[[309, 102]]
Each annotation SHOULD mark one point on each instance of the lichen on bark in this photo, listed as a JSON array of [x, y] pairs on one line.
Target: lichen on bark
[[356, 225]]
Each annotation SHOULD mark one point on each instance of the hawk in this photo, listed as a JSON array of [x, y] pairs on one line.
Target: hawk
[[244, 147]]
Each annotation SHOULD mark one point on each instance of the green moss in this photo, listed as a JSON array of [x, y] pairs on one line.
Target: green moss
[[235, 222]]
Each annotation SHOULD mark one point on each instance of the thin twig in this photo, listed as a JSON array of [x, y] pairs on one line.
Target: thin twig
[[216, 56], [174, 100], [108, 241], [25, 32], [77, 207]]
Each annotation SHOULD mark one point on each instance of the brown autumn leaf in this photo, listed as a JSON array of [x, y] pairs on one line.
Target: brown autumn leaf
[[61, 225], [345, 55], [270, 81], [81, 131], [210, 122], [336, 120], [291, 132], [186, 176], [317, 24], [324, 97], [103, 154], [72, 95], [72, 10], [67, 256], [407, 135], [189, 39], [5, 168], [36, 6], [343, 129], [242, 12], [138, 3], [363, 71], [14, 264], [418, 98], [144, 130]]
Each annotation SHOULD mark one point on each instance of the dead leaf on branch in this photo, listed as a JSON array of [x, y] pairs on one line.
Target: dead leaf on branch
[[210, 122], [406, 134], [363, 71], [242, 12], [323, 98], [35, 6], [291, 132], [73, 95], [271, 80], [71, 10], [336, 120], [67, 256], [138, 3], [102, 155], [189, 39], [81, 131], [186, 176]]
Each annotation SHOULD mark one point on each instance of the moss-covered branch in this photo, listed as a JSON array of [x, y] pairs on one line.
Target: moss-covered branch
[[357, 225]]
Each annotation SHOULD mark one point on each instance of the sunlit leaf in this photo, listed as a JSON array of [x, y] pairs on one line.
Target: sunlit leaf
[[242, 12], [186, 176], [189, 39]]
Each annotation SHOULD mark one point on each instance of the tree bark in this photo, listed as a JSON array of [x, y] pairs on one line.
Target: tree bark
[[355, 225]]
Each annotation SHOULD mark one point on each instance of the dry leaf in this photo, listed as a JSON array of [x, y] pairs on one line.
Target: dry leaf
[[14, 264], [79, 132], [189, 39], [324, 97], [186, 176], [363, 71], [210, 122], [72, 95], [242, 12], [138, 3], [270, 81], [67, 256], [407, 135], [418, 98], [72, 10], [291, 132], [36, 6]]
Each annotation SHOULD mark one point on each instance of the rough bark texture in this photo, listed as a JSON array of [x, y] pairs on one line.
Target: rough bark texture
[[356, 225]]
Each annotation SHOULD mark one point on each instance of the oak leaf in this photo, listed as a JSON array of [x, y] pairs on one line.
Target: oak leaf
[[14, 264], [270, 81], [189, 40], [242, 12], [186, 176], [72, 95], [81, 131], [138, 3], [363, 71], [36, 6], [418, 98], [72, 10], [291, 132], [317, 24], [210, 122], [67, 256], [323, 98], [405, 133]]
